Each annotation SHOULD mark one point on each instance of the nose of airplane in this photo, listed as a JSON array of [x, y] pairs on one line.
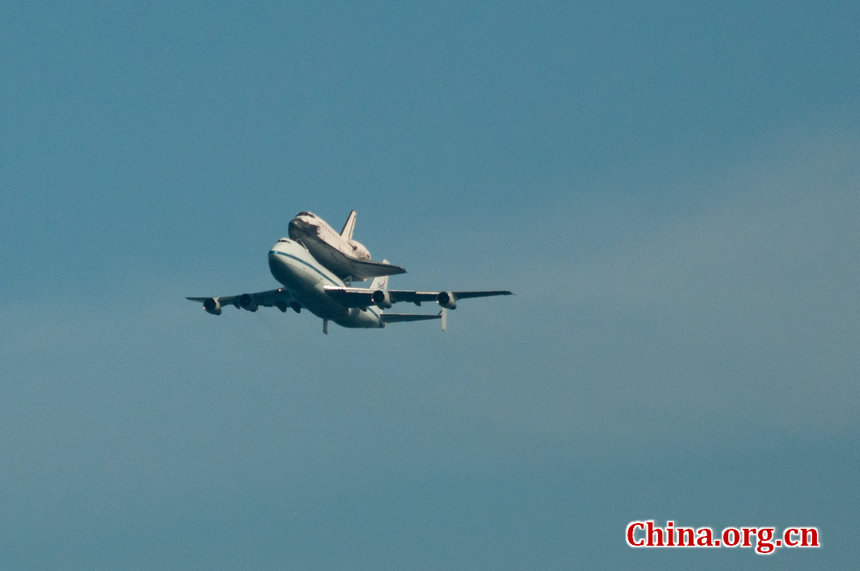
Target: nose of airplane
[[275, 261]]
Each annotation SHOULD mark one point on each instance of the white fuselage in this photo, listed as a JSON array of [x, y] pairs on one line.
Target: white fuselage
[[305, 279]]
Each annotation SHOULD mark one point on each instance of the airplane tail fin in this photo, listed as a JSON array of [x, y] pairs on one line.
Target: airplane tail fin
[[349, 226], [380, 282]]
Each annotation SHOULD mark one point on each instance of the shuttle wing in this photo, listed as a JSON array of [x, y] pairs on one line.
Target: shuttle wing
[[358, 269]]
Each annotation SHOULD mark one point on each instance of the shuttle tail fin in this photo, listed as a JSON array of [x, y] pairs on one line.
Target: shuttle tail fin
[[349, 226]]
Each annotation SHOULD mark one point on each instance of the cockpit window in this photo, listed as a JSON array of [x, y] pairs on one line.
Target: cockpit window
[[305, 213], [283, 240]]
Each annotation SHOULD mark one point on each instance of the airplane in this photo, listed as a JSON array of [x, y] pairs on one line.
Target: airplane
[[308, 284], [348, 259]]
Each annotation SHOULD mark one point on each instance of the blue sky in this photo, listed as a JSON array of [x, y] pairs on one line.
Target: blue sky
[[671, 189]]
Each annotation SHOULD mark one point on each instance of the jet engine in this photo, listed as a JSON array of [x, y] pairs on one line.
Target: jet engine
[[247, 302], [381, 299], [358, 250], [447, 300], [213, 306]]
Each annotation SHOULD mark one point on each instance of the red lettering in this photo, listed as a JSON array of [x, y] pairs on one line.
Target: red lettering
[[631, 538], [686, 537], [811, 532], [763, 543], [654, 532], [706, 537], [735, 537], [764, 539], [808, 537]]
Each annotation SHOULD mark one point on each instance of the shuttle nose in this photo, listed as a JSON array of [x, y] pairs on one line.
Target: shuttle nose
[[297, 228]]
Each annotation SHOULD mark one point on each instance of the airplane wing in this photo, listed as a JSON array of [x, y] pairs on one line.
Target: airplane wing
[[279, 298], [365, 297]]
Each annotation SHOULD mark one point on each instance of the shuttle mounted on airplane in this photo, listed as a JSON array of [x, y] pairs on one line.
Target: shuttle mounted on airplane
[[311, 284], [347, 258]]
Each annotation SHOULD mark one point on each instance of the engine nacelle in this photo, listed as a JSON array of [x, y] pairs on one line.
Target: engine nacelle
[[212, 305], [447, 300], [358, 250], [247, 302], [381, 299]]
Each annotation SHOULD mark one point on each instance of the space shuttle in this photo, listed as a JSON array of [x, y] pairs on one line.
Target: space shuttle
[[345, 257]]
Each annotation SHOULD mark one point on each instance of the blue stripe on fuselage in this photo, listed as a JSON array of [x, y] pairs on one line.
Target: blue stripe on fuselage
[[311, 266]]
